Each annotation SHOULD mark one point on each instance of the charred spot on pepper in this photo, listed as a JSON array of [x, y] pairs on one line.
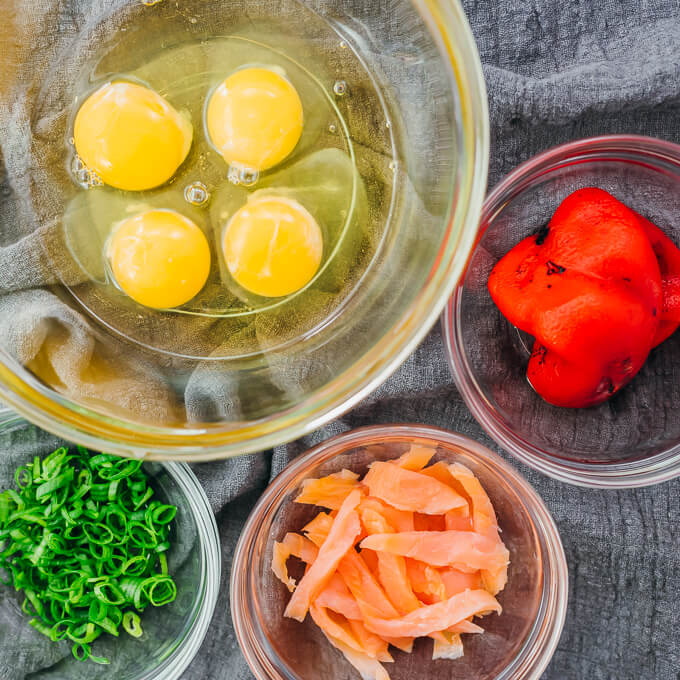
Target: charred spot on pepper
[[658, 249], [523, 269], [626, 365], [539, 352], [627, 279], [554, 268], [542, 234]]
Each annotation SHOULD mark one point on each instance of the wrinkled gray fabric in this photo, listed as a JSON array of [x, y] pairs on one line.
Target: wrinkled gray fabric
[[556, 70]]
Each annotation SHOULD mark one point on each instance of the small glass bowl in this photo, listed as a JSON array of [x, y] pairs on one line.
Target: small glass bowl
[[172, 634], [633, 439], [518, 644]]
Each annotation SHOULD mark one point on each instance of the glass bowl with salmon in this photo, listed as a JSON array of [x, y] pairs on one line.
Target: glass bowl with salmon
[[561, 335], [399, 551]]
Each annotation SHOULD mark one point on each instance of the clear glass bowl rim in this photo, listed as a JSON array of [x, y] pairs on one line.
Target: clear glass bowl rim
[[542, 642], [58, 414], [174, 665], [637, 473]]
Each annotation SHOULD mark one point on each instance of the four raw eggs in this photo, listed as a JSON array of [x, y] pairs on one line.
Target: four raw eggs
[[133, 139]]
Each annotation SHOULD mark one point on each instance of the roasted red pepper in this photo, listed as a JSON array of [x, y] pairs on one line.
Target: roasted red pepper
[[597, 287], [668, 257]]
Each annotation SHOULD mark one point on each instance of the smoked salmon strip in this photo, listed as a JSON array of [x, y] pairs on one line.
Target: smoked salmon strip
[[336, 627], [339, 542], [466, 627], [280, 568], [411, 550], [408, 490], [483, 515], [400, 520], [451, 648], [456, 581], [375, 646], [317, 530], [436, 617], [416, 458], [392, 572], [292, 544], [328, 492], [370, 596], [426, 581], [466, 550], [368, 668], [483, 521], [336, 596]]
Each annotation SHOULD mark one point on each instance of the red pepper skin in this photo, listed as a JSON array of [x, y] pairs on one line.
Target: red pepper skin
[[668, 256], [671, 300], [588, 288], [566, 384]]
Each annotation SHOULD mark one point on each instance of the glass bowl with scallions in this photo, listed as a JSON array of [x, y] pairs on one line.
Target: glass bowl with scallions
[[107, 565]]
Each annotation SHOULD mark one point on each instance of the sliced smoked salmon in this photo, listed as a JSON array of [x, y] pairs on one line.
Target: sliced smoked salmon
[[412, 550], [292, 544], [426, 581], [416, 458], [451, 648], [436, 617], [392, 572], [483, 521], [464, 550], [336, 626], [328, 492], [368, 668], [408, 490], [456, 581], [335, 595], [400, 520], [339, 542], [317, 530], [368, 593]]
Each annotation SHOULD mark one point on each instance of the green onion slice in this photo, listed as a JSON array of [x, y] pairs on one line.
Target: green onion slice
[[85, 542]]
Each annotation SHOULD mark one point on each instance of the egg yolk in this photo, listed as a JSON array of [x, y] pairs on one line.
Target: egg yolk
[[272, 246], [130, 136], [160, 258], [254, 118]]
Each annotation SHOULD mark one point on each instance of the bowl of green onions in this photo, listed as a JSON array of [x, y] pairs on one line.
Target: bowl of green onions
[[109, 567]]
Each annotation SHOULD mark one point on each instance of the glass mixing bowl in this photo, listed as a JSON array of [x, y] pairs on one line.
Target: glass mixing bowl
[[630, 440], [406, 87], [517, 645], [173, 633]]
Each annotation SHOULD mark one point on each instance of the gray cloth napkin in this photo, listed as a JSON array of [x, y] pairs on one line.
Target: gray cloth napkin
[[555, 71]]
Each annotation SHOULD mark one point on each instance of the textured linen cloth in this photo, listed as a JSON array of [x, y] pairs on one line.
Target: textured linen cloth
[[556, 70]]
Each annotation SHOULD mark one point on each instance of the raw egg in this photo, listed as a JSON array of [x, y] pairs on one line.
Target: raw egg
[[272, 246], [254, 118], [159, 258], [130, 136]]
